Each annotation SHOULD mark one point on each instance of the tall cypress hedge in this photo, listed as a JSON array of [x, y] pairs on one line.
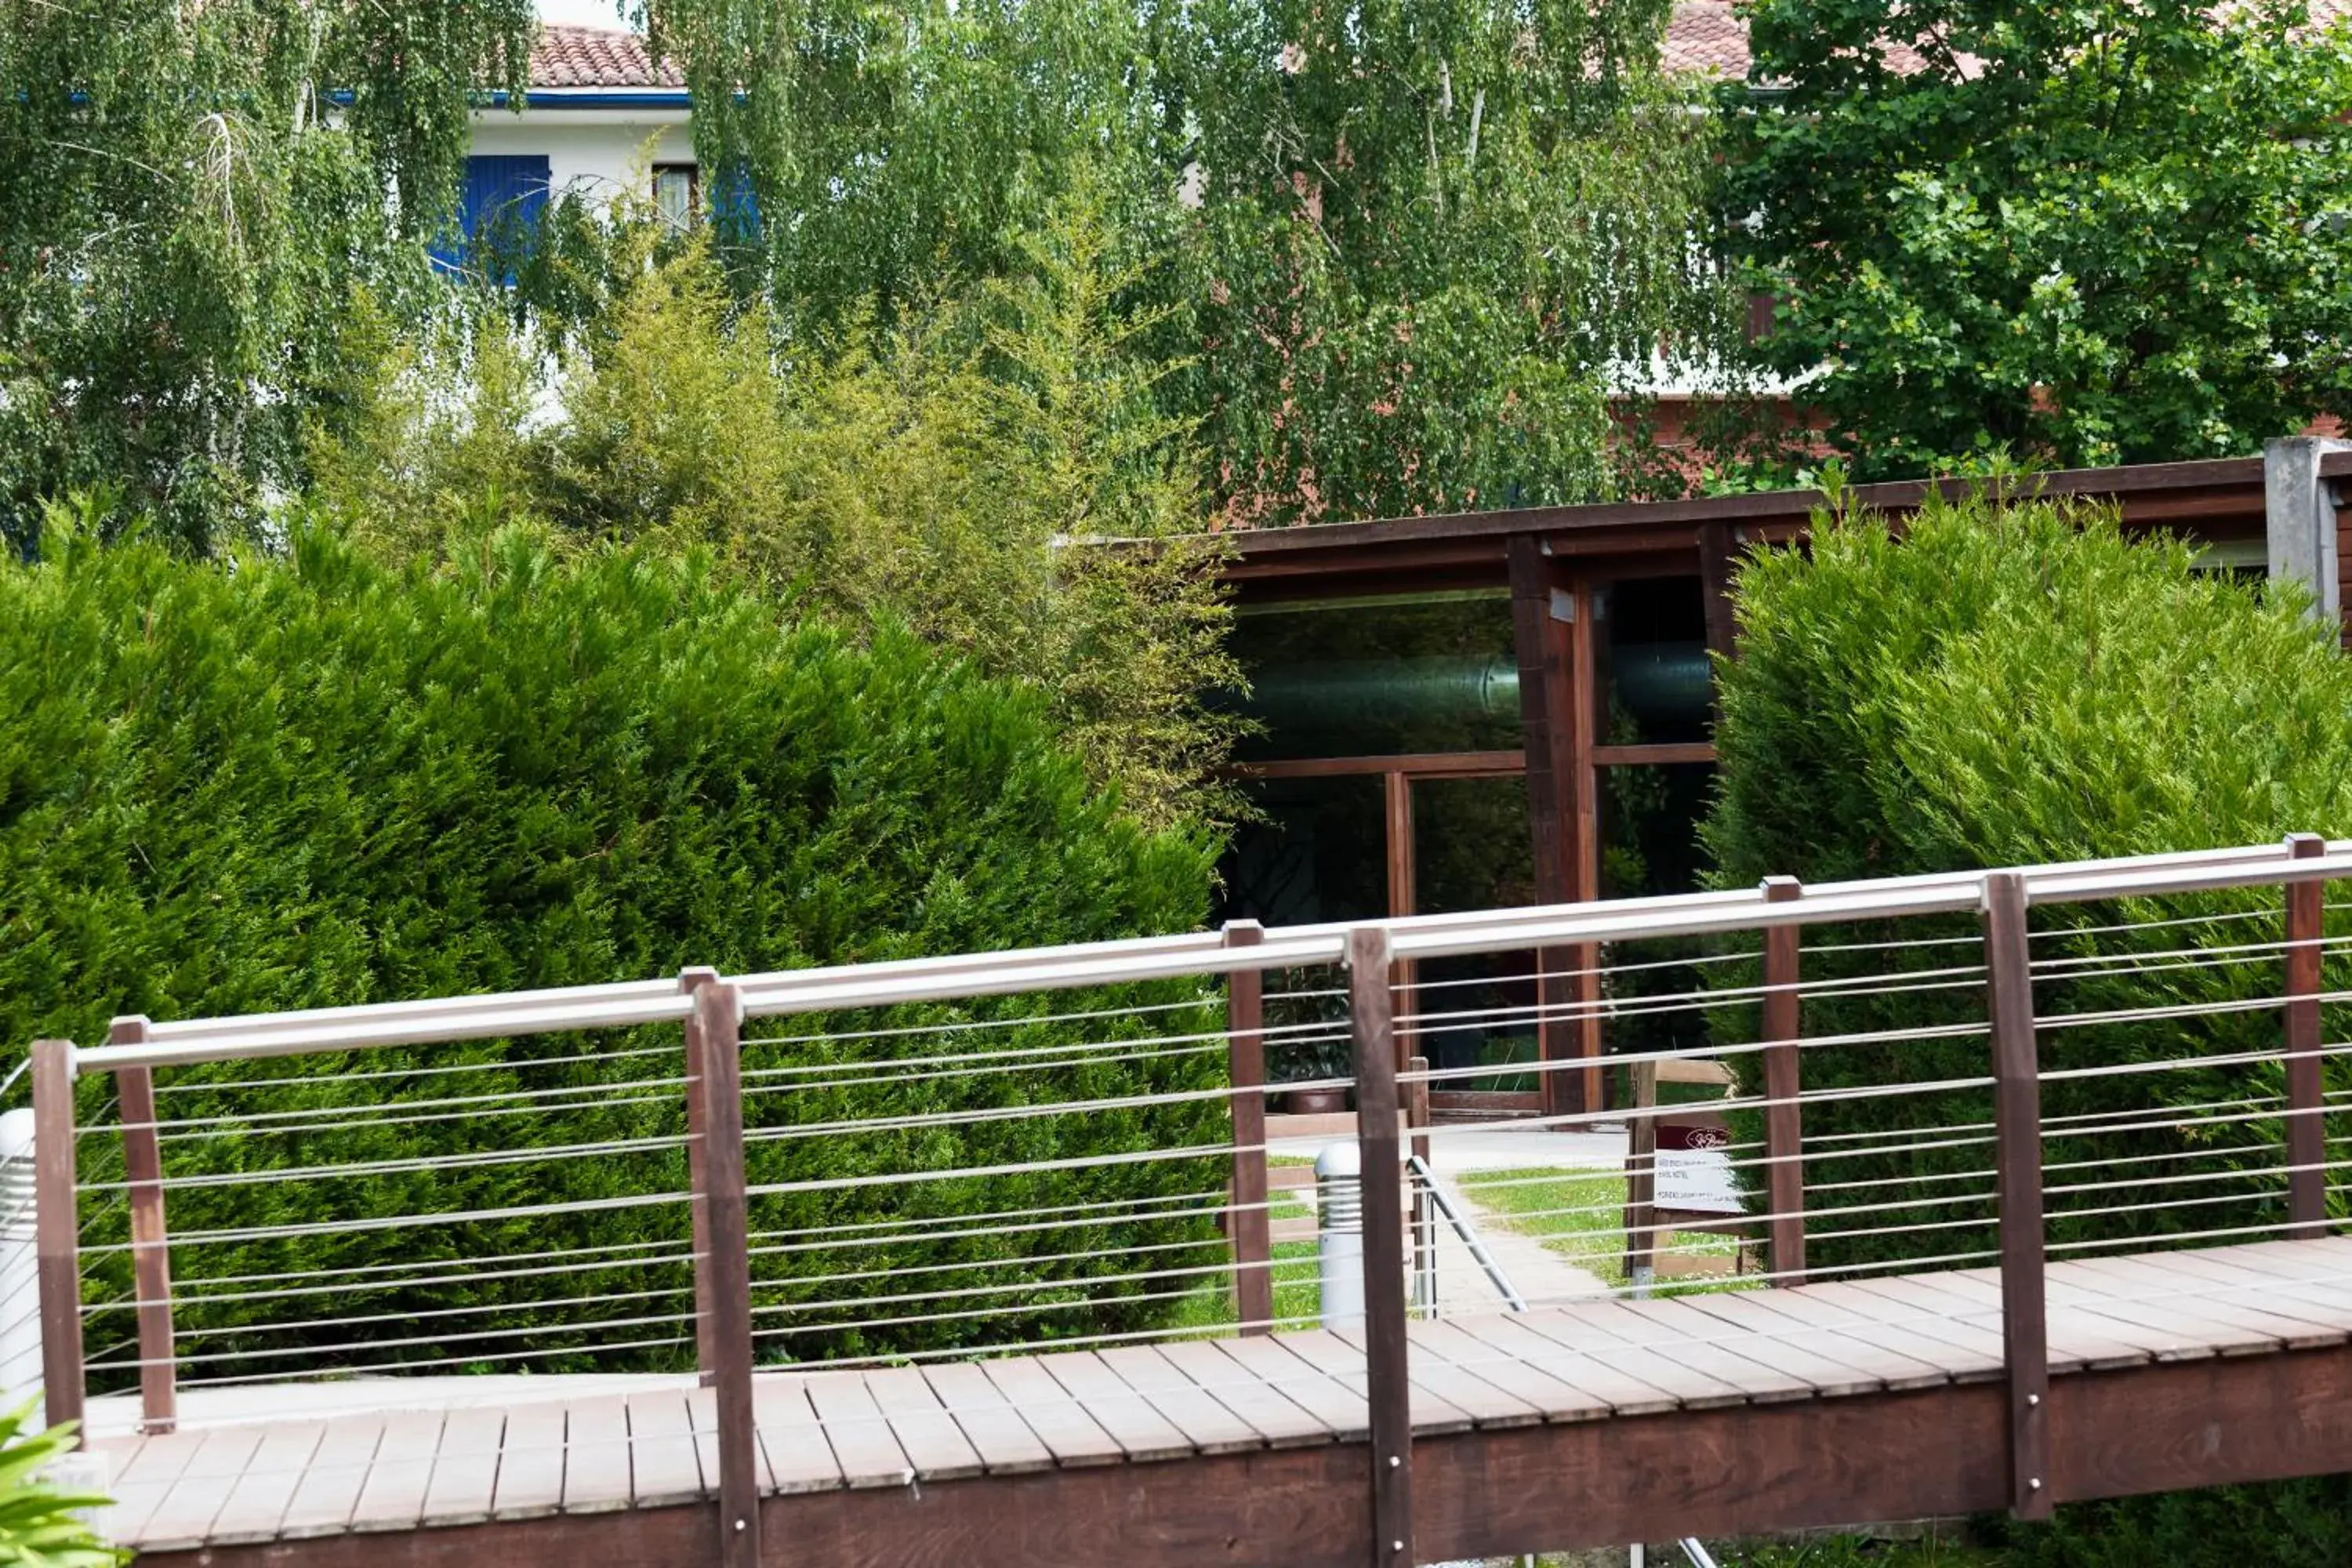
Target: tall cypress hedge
[[2005, 685], [303, 780]]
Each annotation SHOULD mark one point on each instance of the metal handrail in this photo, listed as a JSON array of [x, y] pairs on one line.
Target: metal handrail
[[1195, 955], [1466, 1231]]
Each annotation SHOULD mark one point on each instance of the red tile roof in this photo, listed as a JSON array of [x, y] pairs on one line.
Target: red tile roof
[[1704, 37], [597, 57]]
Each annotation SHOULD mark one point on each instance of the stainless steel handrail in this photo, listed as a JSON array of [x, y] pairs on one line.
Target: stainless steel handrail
[[1466, 1231]]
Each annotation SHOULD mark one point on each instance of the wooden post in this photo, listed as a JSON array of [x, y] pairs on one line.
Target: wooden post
[[1543, 688], [697, 1174], [1586, 702], [151, 1248], [1642, 1174], [719, 1009], [2017, 1135], [1397, 796], [2307, 1131], [1783, 1080], [1250, 1227], [58, 1230], [1372, 1015]]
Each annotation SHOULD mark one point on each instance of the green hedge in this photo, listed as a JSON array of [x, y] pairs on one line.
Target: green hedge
[[304, 781], [2002, 685], [2008, 685]]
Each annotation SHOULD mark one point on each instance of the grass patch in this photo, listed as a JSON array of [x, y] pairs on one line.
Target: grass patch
[[1297, 1281], [1580, 1215]]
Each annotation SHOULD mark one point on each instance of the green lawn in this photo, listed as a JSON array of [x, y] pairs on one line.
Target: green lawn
[[1580, 1215], [1298, 1290]]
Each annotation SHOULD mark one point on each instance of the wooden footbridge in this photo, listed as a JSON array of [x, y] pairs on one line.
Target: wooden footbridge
[[2039, 1347]]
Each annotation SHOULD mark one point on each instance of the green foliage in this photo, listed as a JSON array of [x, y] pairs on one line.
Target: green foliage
[[2290, 1524], [1409, 250], [184, 226], [2012, 685], [2091, 232], [932, 475], [38, 1527], [310, 781]]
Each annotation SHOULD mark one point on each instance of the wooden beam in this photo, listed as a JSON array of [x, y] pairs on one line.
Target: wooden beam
[[1370, 1007], [1585, 706], [2017, 1140], [719, 1008], [1543, 688], [1250, 1225], [2307, 1100], [1652, 755], [150, 1247], [1414, 764], [1396, 792], [1783, 1081], [57, 1222]]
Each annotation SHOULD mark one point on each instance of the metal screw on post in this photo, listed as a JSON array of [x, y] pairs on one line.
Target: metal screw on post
[[1339, 1234]]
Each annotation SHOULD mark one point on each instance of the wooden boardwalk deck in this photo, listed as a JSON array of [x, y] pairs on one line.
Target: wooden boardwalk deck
[[1242, 1446]]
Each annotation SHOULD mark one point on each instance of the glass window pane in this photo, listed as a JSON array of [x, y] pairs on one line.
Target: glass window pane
[[1474, 850], [1652, 643], [674, 194], [1381, 678]]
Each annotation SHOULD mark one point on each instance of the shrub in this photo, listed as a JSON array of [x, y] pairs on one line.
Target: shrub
[[310, 781], [40, 1527], [2002, 685]]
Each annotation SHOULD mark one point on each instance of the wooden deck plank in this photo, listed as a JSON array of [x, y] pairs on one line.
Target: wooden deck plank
[[1072, 1435], [1593, 1386], [596, 1455], [1268, 1360], [1141, 1432], [1868, 1368], [1004, 1441], [147, 1467], [1206, 1423], [184, 1517], [465, 1467], [2155, 1281], [530, 1463], [253, 1507], [1782, 1369], [392, 1497], [1580, 1335], [798, 1456], [2076, 1342], [1277, 1418], [2196, 1328], [663, 1465], [330, 1487], [2317, 1301], [860, 1435], [1968, 1355], [1334, 1356], [1966, 1327], [1683, 1336], [934, 1445], [1546, 1397]]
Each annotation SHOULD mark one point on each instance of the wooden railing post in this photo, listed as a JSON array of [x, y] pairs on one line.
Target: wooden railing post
[[56, 1230], [2017, 1133], [1783, 1080], [151, 1248], [698, 1174], [2307, 1131], [1249, 1223], [727, 1308], [1642, 1178], [1371, 1013]]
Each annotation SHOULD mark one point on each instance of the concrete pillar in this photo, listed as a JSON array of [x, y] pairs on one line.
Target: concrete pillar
[[2300, 513]]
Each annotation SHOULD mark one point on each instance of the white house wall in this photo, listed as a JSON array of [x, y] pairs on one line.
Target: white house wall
[[595, 153]]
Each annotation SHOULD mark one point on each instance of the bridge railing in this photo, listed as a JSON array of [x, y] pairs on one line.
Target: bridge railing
[[947, 1160]]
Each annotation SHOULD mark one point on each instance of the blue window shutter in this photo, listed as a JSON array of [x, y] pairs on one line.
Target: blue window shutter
[[503, 193], [734, 204]]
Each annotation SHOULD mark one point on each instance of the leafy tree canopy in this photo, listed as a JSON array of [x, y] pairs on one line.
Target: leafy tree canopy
[[1411, 247], [2109, 231], [188, 197]]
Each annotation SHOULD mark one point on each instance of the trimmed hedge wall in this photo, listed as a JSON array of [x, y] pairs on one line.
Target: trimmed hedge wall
[[306, 781], [2012, 684]]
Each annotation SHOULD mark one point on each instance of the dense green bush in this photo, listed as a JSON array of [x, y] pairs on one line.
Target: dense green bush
[[307, 780], [2002, 685]]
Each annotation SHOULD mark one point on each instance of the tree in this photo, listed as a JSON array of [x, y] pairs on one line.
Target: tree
[[2094, 233], [191, 196], [1408, 252]]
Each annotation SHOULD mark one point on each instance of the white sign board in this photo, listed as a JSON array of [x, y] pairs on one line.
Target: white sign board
[[1693, 1171]]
